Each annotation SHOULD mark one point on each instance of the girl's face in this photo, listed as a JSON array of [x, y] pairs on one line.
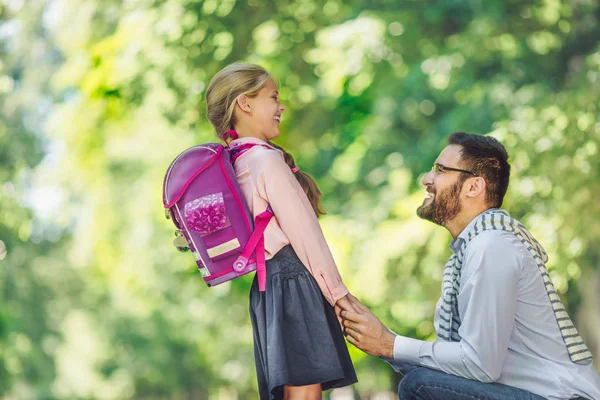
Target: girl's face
[[266, 111]]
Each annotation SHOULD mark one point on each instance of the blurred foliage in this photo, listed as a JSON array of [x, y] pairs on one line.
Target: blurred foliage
[[98, 96]]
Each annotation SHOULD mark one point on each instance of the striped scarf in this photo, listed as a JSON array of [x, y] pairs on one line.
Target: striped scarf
[[500, 220]]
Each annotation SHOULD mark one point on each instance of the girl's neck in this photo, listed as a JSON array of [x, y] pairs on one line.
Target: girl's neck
[[244, 132]]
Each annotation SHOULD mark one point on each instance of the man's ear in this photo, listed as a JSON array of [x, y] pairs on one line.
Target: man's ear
[[243, 104], [476, 187]]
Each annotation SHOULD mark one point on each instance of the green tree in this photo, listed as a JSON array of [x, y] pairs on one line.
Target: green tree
[[97, 97]]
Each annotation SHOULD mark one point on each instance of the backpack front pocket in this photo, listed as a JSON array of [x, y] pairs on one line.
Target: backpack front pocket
[[207, 215]]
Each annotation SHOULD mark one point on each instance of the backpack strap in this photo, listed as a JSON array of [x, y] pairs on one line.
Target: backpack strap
[[237, 151], [256, 243], [257, 240]]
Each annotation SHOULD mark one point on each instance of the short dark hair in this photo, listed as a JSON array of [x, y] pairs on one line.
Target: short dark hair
[[488, 158]]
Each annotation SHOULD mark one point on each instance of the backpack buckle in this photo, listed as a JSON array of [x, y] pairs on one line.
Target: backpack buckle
[[240, 263], [180, 242]]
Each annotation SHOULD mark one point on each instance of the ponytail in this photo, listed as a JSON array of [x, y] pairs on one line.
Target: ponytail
[[306, 181]]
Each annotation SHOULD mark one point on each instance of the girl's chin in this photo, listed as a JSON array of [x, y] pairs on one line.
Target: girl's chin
[[274, 134]]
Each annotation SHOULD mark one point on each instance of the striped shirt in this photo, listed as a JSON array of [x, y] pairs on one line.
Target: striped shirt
[[508, 331]]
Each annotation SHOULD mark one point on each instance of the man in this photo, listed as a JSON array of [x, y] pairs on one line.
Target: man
[[502, 331]]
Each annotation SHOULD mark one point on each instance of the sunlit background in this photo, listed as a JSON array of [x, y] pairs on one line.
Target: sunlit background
[[98, 96]]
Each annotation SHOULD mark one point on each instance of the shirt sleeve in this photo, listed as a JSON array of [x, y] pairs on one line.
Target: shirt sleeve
[[487, 303], [279, 187]]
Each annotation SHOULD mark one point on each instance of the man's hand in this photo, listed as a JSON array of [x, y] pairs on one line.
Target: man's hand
[[365, 331], [345, 303]]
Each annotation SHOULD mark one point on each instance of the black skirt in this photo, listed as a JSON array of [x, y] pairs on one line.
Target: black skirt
[[297, 337]]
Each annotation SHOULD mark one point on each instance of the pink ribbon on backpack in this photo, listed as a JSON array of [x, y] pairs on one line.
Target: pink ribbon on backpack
[[229, 134]]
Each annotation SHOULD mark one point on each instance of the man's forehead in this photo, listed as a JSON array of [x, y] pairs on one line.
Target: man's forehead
[[450, 156]]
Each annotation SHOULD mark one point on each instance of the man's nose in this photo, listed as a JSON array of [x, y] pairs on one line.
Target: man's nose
[[428, 179]]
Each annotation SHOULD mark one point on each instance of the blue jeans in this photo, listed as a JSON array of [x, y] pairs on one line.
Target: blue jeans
[[420, 383]]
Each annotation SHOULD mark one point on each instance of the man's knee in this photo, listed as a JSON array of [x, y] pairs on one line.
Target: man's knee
[[412, 382]]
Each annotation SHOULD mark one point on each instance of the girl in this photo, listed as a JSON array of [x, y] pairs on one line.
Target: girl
[[299, 347]]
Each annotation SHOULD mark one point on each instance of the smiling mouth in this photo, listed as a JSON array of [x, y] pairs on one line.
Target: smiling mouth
[[429, 196], [278, 118]]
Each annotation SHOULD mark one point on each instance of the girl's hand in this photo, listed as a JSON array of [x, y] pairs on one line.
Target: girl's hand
[[345, 303]]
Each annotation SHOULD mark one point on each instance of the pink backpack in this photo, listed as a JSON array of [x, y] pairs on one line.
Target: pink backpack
[[202, 197]]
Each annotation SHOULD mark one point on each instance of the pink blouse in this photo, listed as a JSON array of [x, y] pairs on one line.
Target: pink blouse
[[265, 179]]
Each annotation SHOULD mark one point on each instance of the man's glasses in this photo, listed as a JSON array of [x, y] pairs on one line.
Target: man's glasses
[[443, 168]]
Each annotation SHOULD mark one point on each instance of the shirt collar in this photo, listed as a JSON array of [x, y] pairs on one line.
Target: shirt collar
[[462, 236], [248, 140]]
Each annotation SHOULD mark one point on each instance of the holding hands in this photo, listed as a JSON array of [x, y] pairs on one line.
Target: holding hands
[[363, 329]]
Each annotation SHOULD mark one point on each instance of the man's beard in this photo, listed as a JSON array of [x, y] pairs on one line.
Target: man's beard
[[444, 206]]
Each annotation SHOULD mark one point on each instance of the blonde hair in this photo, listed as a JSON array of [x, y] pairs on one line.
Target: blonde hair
[[247, 79], [225, 87]]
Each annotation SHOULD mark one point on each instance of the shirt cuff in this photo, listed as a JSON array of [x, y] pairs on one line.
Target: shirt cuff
[[407, 349], [338, 293]]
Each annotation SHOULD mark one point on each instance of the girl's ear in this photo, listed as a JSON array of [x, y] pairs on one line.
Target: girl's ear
[[243, 104]]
